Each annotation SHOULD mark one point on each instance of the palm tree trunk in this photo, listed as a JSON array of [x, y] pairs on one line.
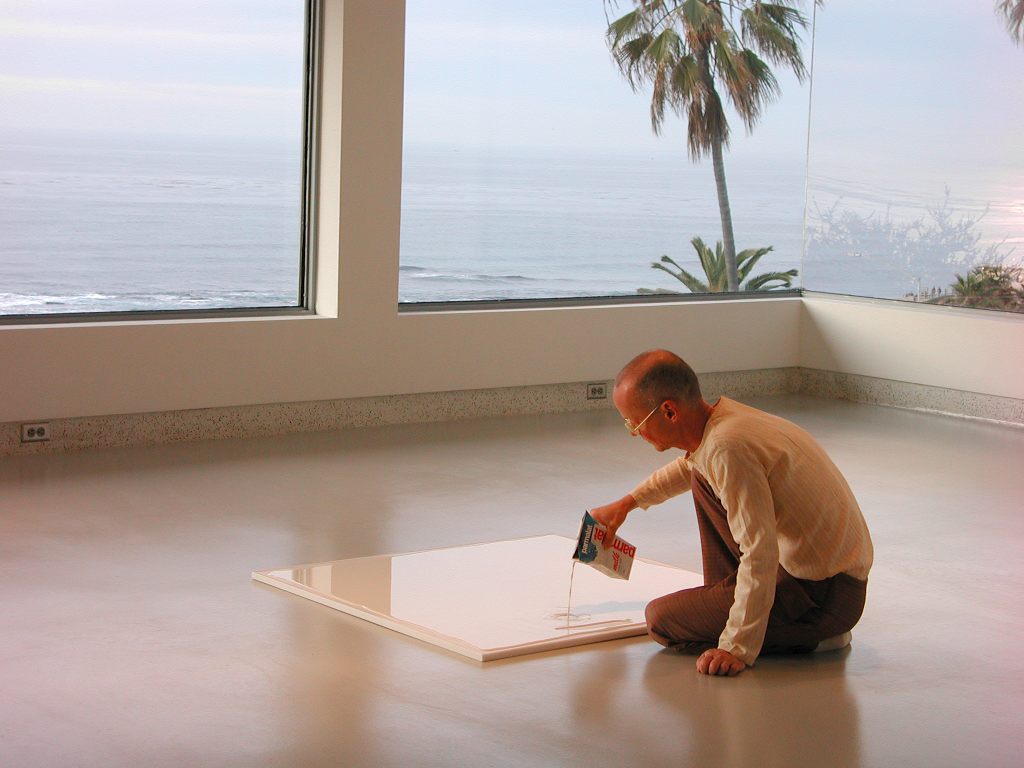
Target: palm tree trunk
[[726, 213]]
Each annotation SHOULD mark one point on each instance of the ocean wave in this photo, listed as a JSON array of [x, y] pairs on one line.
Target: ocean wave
[[422, 273], [52, 303], [89, 182]]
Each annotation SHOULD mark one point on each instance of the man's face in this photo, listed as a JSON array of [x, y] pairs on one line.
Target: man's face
[[653, 428]]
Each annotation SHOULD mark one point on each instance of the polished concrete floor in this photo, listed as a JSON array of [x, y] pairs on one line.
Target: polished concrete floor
[[132, 635]]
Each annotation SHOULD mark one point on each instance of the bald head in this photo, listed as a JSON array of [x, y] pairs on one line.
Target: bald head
[[656, 376]]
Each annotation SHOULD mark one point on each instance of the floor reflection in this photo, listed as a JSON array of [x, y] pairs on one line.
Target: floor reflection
[[784, 711], [332, 703]]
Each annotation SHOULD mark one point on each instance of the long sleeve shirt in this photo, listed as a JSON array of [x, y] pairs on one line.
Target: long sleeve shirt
[[786, 503]]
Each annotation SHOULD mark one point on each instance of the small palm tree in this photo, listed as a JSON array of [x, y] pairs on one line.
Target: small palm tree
[[688, 50], [714, 265], [988, 287]]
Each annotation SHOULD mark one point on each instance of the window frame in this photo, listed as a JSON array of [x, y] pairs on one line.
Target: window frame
[[308, 220]]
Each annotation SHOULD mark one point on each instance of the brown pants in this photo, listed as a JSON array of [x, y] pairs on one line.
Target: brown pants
[[804, 613]]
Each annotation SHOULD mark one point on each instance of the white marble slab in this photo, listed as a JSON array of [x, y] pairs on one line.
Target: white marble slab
[[488, 601]]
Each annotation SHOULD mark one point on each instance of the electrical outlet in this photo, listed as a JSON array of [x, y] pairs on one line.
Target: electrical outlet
[[35, 433], [597, 391]]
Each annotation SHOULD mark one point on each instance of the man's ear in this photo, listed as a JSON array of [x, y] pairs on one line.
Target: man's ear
[[670, 409]]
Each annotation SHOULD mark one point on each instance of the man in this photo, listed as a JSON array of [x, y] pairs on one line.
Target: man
[[786, 550]]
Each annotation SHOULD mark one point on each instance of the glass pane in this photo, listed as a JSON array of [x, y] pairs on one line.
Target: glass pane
[[916, 177], [532, 171], [150, 155]]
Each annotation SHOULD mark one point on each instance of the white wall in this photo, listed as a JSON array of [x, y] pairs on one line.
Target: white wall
[[972, 350], [359, 345]]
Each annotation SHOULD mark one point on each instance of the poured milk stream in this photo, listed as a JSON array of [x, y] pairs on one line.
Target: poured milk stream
[[568, 615]]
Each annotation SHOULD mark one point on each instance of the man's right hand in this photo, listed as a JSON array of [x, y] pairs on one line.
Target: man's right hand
[[611, 516]]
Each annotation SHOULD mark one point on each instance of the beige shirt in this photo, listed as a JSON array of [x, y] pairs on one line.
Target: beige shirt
[[786, 503]]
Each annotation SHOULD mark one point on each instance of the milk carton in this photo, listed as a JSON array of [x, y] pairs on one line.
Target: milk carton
[[616, 560]]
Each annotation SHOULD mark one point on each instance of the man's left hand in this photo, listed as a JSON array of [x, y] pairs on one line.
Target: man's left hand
[[718, 662]]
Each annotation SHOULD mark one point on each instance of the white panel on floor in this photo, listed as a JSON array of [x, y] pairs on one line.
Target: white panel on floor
[[491, 600]]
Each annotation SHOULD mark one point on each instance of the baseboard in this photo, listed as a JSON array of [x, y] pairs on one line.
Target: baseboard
[[916, 397], [282, 418]]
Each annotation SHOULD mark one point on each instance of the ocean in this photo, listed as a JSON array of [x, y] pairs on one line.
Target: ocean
[[97, 223], [517, 224], [100, 223]]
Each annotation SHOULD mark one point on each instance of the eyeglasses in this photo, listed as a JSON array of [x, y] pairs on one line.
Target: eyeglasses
[[635, 429]]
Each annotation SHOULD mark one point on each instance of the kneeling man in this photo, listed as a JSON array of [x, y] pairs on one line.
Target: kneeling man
[[786, 550]]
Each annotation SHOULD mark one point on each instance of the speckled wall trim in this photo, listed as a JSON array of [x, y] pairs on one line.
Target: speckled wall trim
[[282, 418], [917, 397], [764, 381]]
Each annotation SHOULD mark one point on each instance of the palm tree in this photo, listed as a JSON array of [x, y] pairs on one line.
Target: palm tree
[[687, 50], [1013, 10], [714, 265]]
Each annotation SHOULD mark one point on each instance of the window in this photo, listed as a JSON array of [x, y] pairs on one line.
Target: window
[[531, 168], [916, 175], [152, 156]]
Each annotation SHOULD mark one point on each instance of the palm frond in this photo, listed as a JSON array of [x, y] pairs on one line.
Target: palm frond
[[745, 260], [760, 283], [622, 27], [698, 15], [774, 30], [687, 83], [665, 49], [1013, 13], [661, 57], [691, 282], [752, 89], [706, 124], [728, 63], [630, 56], [713, 264]]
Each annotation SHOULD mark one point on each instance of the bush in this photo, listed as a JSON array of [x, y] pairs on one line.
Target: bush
[[989, 286]]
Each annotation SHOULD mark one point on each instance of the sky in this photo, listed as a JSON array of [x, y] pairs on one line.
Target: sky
[[916, 81], [915, 100], [529, 73], [919, 81], [894, 78], [216, 67]]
